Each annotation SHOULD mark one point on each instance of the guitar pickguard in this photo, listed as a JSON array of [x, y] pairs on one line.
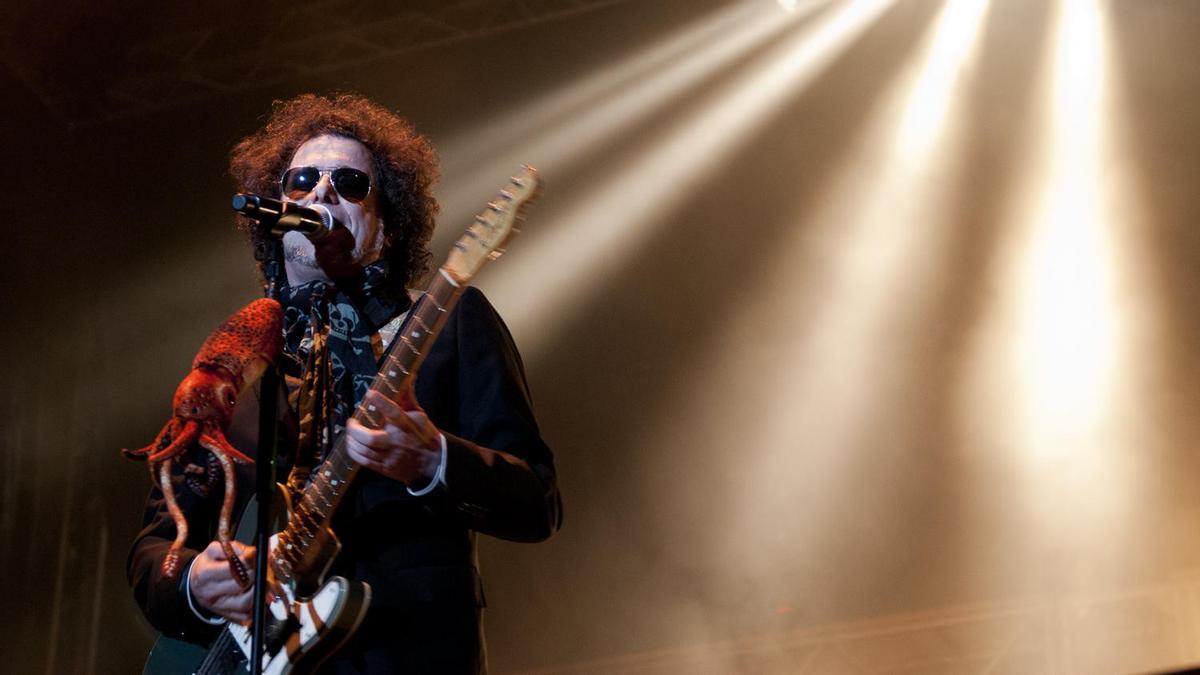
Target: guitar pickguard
[[325, 621]]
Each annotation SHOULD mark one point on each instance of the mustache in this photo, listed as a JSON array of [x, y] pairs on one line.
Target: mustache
[[304, 253]]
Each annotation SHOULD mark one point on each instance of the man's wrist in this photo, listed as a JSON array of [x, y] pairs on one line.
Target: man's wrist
[[439, 474], [200, 612]]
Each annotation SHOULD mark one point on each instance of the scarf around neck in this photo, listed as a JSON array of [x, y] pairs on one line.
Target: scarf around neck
[[328, 346]]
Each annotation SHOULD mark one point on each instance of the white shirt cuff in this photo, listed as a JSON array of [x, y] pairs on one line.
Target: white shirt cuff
[[187, 591], [439, 477]]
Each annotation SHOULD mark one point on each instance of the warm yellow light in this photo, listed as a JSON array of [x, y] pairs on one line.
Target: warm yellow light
[[578, 120], [608, 221], [956, 32], [848, 289], [1066, 344]]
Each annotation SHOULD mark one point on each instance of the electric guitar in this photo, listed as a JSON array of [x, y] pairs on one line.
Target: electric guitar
[[311, 617]]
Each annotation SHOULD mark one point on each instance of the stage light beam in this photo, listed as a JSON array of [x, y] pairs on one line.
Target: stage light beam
[[605, 224], [841, 367], [820, 379], [584, 117], [949, 56], [1067, 341]]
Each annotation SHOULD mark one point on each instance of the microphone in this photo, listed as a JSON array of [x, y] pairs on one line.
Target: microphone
[[313, 221]]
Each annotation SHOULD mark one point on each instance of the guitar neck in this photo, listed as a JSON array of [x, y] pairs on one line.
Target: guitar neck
[[313, 512]]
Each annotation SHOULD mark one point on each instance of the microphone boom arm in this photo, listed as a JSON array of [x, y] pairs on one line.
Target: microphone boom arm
[[313, 221]]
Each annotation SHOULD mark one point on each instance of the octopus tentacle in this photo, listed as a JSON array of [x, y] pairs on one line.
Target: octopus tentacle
[[212, 471], [239, 571], [162, 439], [190, 430], [170, 564], [202, 479], [214, 440], [235, 563]]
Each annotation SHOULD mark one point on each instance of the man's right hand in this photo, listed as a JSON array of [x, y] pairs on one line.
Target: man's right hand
[[212, 584]]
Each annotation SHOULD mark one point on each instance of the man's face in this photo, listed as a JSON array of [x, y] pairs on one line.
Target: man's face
[[360, 217]]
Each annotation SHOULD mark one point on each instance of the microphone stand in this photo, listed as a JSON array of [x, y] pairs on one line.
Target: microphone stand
[[279, 218], [268, 412]]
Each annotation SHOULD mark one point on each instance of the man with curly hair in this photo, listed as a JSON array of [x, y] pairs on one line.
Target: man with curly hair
[[461, 454]]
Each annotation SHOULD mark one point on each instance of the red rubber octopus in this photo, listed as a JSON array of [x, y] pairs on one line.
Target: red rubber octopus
[[236, 353]]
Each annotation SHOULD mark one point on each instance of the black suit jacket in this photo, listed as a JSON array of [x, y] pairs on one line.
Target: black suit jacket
[[418, 553]]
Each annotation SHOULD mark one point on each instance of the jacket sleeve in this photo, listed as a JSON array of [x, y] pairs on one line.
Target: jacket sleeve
[[160, 597], [500, 476]]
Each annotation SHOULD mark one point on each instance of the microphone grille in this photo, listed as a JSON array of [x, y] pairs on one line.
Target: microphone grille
[[326, 216]]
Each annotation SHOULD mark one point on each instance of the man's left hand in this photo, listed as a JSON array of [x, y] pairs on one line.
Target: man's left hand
[[406, 446]]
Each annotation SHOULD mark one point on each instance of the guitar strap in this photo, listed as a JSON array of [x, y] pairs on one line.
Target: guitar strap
[[312, 399]]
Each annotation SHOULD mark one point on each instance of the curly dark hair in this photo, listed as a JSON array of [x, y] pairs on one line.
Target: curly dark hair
[[404, 162]]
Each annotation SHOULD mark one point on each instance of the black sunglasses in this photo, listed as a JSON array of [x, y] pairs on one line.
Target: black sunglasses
[[350, 183]]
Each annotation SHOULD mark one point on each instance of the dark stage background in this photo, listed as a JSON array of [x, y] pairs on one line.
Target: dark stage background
[[791, 366]]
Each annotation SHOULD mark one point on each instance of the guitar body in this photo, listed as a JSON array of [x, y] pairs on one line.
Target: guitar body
[[326, 621], [323, 623], [171, 657]]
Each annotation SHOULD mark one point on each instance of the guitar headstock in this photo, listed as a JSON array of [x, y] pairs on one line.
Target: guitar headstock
[[485, 239]]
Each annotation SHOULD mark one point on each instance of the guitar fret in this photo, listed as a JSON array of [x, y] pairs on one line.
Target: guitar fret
[[339, 464], [408, 343], [396, 368], [321, 494], [299, 529], [424, 327], [369, 413], [315, 508], [304, 539], [331, 482], [387, 383], [284, 550], [307, 519]]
